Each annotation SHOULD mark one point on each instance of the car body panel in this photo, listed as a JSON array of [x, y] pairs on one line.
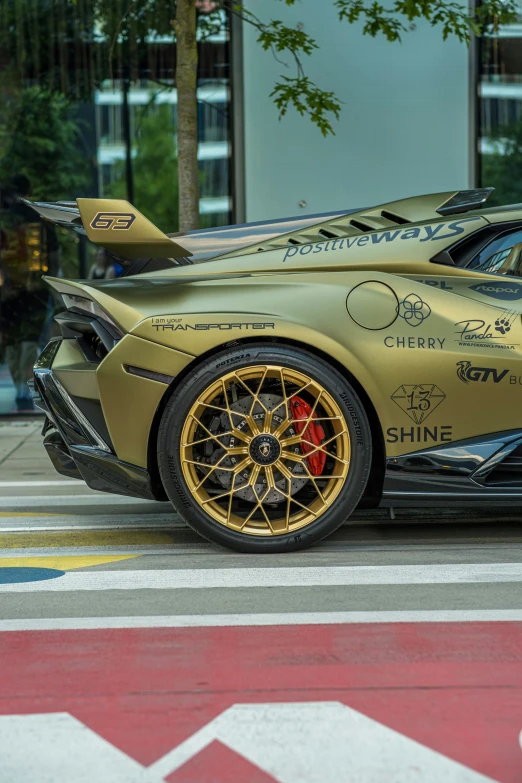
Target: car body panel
[[435, 348], [70, 368], [129, 401]]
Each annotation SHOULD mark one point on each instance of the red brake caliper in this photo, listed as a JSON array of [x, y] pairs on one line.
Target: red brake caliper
[[314, 433]]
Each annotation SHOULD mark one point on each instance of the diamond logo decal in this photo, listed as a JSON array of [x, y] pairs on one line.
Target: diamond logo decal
[[418, 400]]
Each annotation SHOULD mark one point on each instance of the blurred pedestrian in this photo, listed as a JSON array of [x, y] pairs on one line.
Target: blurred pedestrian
[[103, 267], [28, 249]]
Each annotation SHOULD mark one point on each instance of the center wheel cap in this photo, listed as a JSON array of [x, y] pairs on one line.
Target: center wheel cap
[[265, 449]]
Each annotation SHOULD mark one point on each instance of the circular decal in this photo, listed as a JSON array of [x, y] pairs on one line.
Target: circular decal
[[372, 305]]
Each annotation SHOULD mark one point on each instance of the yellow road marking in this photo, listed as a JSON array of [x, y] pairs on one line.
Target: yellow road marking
[[71, 538], [61, 563]]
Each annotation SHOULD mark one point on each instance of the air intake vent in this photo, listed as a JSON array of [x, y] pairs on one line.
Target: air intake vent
[[508, 472], [394, 218], [465, 200], [361, 226]]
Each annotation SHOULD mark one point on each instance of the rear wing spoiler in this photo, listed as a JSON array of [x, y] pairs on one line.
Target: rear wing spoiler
[[113, 224]]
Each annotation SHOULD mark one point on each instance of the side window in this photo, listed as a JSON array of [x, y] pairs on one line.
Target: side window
[[502, 256]]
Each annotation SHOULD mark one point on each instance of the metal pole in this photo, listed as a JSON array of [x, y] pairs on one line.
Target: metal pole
[[236, 115]]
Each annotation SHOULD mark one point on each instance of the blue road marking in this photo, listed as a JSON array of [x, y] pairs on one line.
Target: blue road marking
[[20, 574]]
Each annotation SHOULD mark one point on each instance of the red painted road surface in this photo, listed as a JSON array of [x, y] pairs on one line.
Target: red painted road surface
[[455, 688]]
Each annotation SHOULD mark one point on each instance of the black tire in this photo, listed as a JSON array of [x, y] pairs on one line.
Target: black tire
[[176, 411]]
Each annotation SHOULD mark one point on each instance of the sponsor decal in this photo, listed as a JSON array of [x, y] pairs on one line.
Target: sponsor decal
[[355, 419], [502, 325], [113, 220], [418, 400], [178, 486], [207, 327], [413, 310], [427, 233], [166, 319], [414, 342], [481, 334], [501, 290], [436, 434], [233, 360], [467, 373], [442, 284]]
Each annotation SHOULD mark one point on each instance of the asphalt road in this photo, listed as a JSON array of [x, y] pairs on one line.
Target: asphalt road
[[186, 662]]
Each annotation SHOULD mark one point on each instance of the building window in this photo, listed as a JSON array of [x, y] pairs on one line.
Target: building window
[[75, 108], [500, 112]]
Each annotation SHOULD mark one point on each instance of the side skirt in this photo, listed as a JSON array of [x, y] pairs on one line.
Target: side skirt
[[106, 473], [487, 469]]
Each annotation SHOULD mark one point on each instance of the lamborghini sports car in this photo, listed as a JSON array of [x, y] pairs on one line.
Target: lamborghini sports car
[[269, 378]]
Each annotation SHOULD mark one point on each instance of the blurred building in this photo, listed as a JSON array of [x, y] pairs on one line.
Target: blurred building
[[214, 147], [420, 116], [87, 109]]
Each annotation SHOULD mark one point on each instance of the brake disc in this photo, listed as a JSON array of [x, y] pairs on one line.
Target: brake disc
[[271, 402]]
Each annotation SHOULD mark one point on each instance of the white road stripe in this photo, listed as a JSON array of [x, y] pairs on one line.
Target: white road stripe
[[103, 499], [202, 578], [68, 483], [231, 620], [170, 549], [169, 523]]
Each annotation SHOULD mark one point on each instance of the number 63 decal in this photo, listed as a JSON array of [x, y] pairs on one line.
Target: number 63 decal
[[116, 220]]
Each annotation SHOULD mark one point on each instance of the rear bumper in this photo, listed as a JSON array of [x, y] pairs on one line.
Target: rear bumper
[[75, 447]]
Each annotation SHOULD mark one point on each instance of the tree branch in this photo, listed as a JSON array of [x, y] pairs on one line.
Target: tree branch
[[300, 92]]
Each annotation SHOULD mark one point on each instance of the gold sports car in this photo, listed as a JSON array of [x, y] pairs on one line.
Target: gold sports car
[[269, 378]]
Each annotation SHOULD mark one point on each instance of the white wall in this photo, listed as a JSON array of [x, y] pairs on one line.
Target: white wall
[[403, 129]]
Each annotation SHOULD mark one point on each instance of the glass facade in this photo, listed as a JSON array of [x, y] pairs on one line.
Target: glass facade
[[88, 107], [500, 113]]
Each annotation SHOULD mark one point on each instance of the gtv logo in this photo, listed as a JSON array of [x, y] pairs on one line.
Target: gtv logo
[[292, 743], [468, 373]]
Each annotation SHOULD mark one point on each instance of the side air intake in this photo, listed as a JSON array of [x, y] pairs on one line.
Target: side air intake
[[508, 472]]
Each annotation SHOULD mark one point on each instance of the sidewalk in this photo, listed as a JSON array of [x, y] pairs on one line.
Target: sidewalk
[[22, 454]]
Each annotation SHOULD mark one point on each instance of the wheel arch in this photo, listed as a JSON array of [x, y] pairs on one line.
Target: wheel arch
[[373, 492]]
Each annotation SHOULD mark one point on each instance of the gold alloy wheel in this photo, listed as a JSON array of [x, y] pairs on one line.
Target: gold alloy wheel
[[249, 462]]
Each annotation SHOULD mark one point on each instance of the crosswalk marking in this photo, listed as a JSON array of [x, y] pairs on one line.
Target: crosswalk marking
[[201, 578], [318, 742], [303, 742], [268, 619]]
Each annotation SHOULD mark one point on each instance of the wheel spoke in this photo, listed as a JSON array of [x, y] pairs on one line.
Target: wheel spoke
[[259, 504], [233, 430], [254, 475]]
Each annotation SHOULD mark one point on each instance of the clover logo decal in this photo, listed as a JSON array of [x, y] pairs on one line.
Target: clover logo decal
[[413, 310]]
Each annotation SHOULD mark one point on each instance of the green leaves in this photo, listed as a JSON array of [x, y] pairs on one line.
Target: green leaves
[[376, 18], [45, 145], [299, 92], [278, 36], [307, 99], [451, 17]]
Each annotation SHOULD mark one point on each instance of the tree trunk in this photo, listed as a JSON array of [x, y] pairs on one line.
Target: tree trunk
[[186, 82]]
